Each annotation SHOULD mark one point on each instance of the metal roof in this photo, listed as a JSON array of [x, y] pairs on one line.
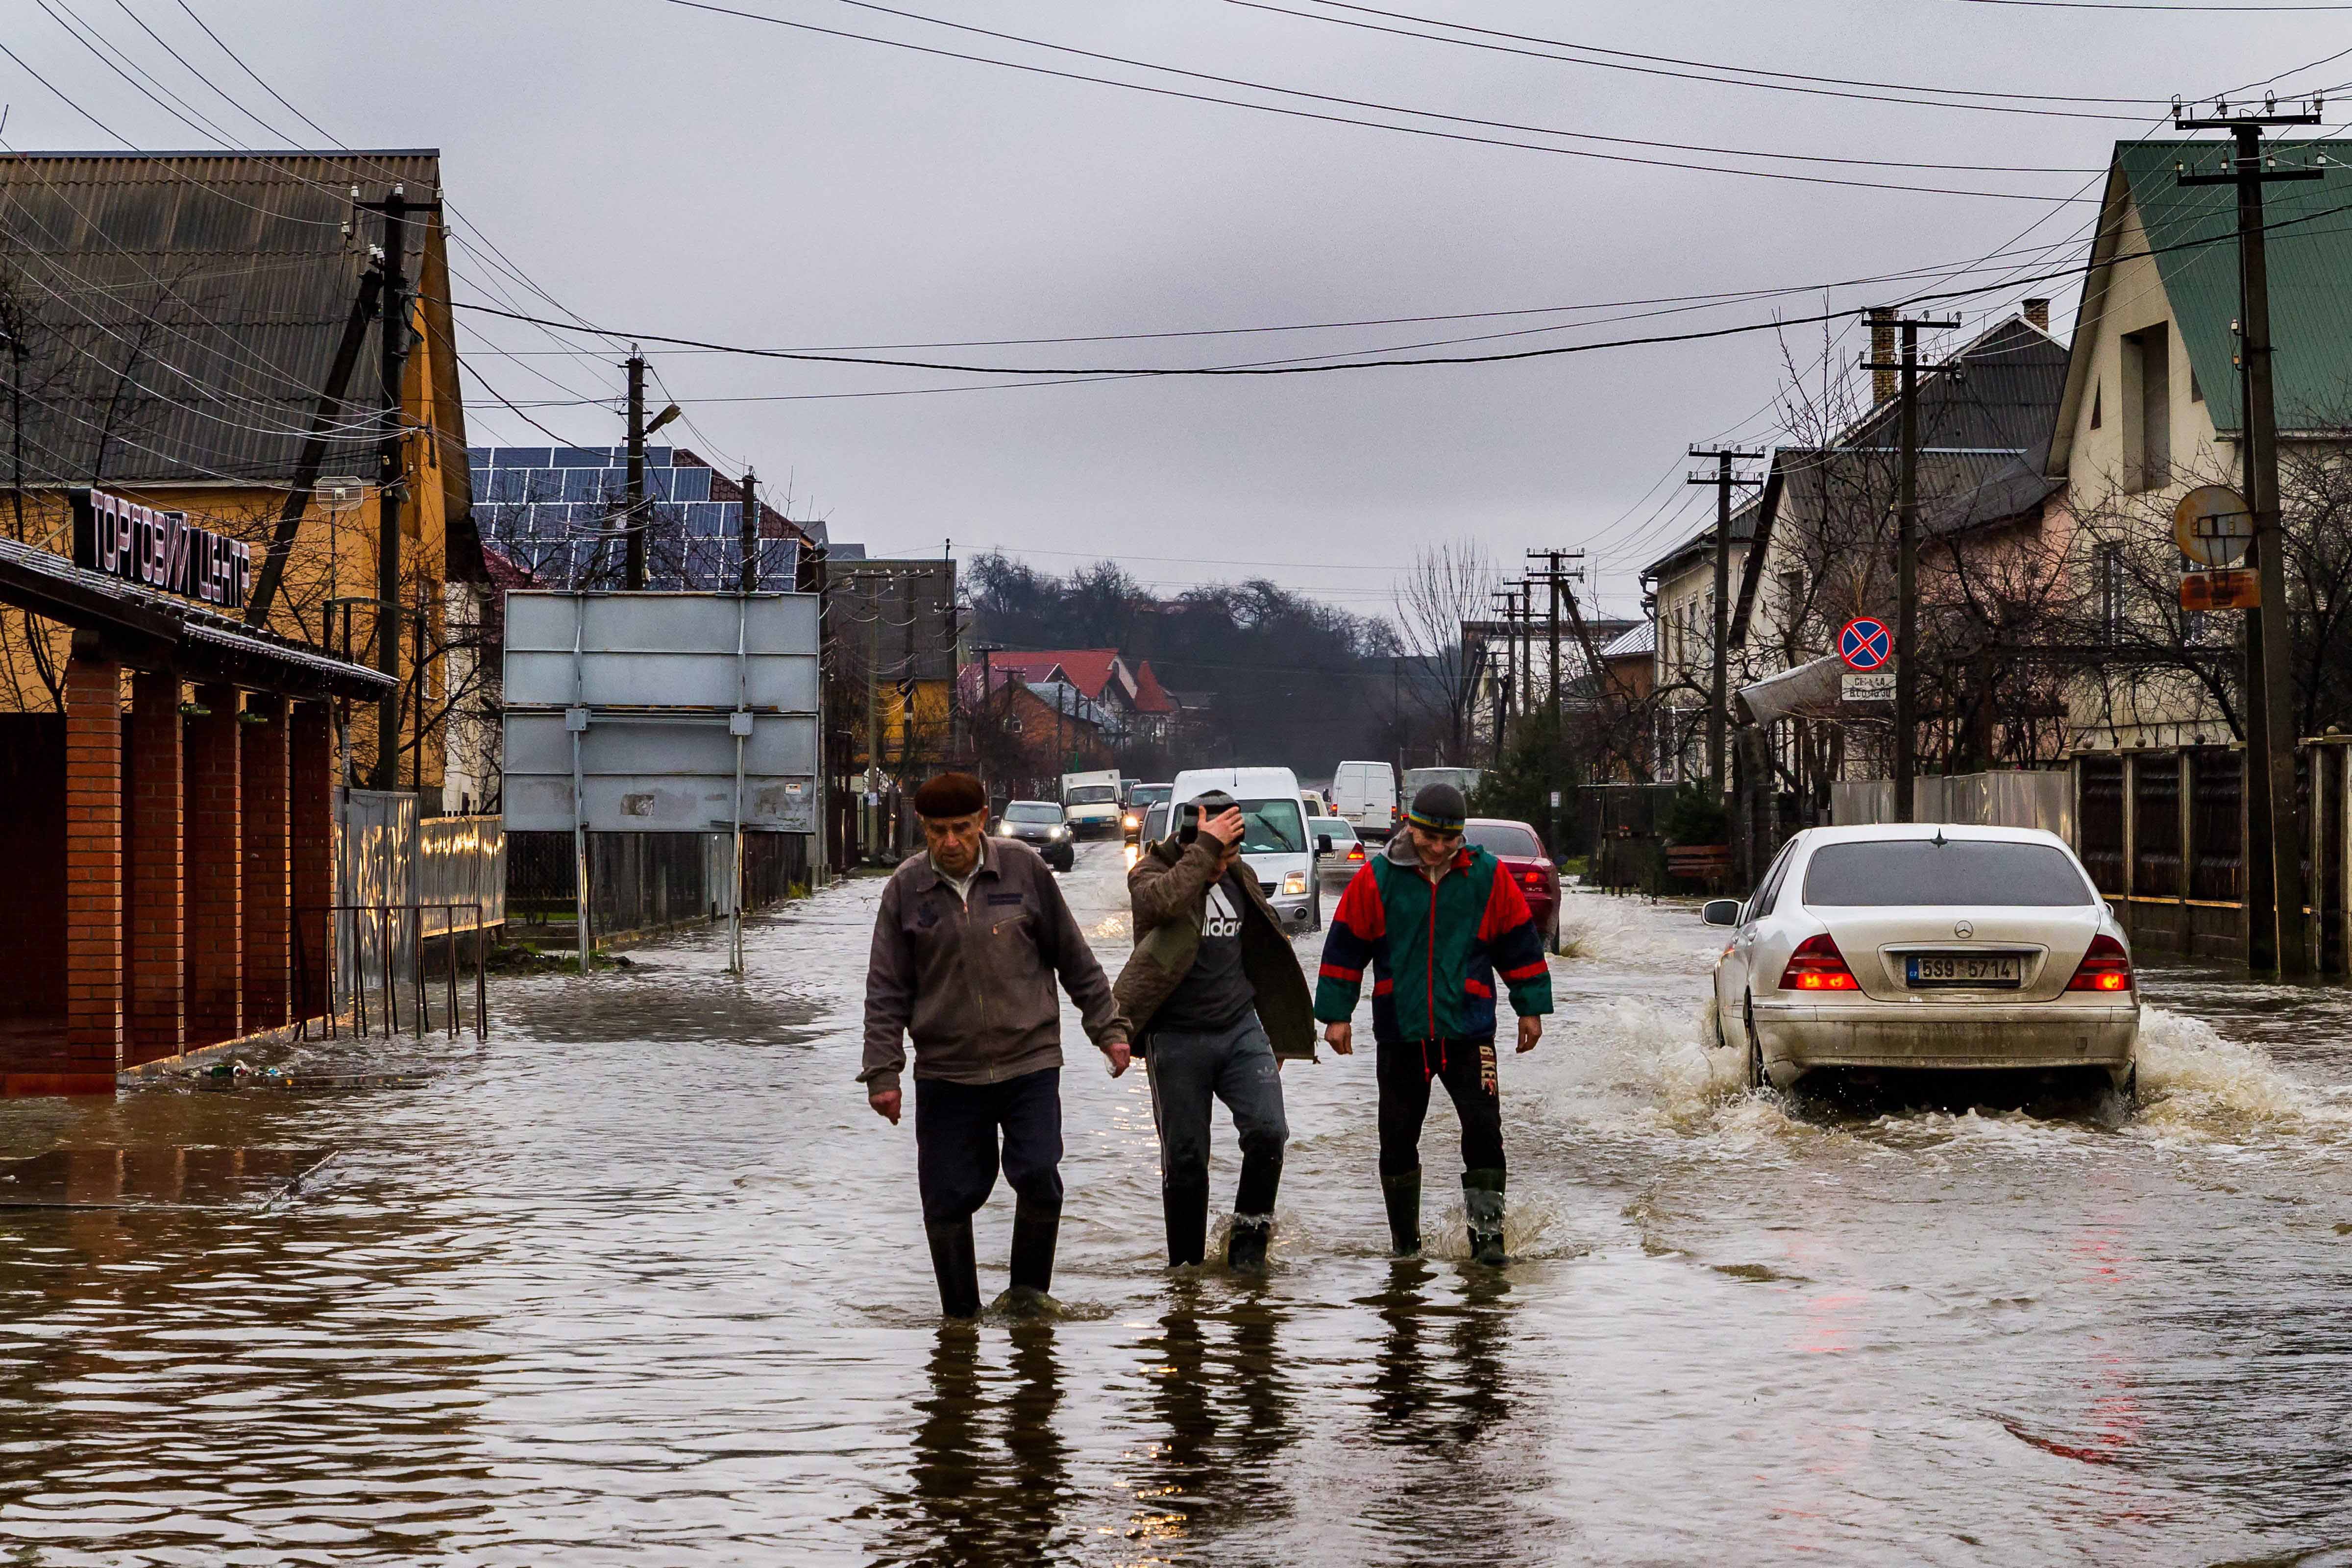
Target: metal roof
[[2310, 262], [1641, 638], [182, 308]]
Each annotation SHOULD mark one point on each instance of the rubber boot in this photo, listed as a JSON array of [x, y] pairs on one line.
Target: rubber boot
[[1401, 1189], [1481, 1200], [1035, 1229], [1188, 1222], [957, 1270], [1245, 1244]]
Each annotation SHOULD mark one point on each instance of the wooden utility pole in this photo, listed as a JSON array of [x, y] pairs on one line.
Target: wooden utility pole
[[748, 569], [391, 469], [633, 522], [1907, 558], [2276, 931], [1719, 685]]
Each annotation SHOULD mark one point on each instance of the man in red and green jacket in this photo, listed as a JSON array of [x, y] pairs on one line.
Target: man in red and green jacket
[[1437, 921]]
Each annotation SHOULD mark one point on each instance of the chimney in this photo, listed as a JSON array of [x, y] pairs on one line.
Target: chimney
[[1882, 381], [2037, 314]]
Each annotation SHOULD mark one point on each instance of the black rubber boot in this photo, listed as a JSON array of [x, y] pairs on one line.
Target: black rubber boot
[[1245, 1244], [1403, 1191], [1482, 1199], [1035, 1229], [1188, 1223], [955, 1266]]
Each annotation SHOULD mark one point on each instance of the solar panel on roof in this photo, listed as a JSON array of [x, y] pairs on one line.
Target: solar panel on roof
[[522, 456], [658, 457], [583, 457], [693, 484]]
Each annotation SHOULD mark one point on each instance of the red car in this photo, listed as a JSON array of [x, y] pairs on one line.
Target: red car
[[1521, 850]]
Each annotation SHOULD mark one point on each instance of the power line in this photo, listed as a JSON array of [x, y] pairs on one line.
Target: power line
[[1653, 64], [1423, 131]]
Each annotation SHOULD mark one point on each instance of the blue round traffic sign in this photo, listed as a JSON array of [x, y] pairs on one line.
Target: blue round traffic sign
[[1865, 643]]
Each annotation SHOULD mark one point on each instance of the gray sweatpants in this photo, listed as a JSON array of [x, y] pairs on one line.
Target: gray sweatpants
[[1236, 1065]]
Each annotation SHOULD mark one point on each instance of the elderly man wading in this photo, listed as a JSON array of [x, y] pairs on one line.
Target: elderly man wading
[[1436, 921], [1218, 1002], [967, 944]]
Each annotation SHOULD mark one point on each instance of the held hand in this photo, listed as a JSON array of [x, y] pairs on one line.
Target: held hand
[[1116, 1056], [1225, 827], [1340, 1037], [1530, 1031], [885, 1105]]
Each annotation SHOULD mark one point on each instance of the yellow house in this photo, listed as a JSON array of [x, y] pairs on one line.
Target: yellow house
[[205, 334]]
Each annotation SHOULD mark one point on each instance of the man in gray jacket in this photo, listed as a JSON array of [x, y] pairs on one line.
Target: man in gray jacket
[[967, 944], [1218, 1000]]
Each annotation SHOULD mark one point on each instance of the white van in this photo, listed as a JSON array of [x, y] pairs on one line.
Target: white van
[[1091, 802], [1366, 794], [1274, 835]]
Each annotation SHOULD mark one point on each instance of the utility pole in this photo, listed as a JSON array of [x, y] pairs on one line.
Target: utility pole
[[748, 569], [391, 470], [1506, 687], [1907, 556], [1554, 578], [2276, 935], [633, 524], [1718, 698]]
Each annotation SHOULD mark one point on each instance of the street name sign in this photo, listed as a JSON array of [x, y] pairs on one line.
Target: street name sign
[[1865, 643], [2239, 589]]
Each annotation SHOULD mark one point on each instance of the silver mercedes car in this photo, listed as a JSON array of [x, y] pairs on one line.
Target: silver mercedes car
[[1917, 946]]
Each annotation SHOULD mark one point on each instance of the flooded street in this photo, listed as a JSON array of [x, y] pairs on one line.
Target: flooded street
[[642, 1279]]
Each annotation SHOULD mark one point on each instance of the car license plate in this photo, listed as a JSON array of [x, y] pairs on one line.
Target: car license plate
[[1989, 970]]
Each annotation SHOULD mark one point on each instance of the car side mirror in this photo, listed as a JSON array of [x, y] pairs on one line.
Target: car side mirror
[[1720, 912], [1322, 844]]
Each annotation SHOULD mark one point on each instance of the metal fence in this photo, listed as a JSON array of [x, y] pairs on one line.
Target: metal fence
[[649, 881], [451, 870], [2012, 798]]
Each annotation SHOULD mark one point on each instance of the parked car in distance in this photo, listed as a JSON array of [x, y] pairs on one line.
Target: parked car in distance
[[1274, 835], [1366, 794], [1041, 825], [1140, 802], [1521, 848], [1155, 822], [1916, 946], [1092, 802], [1339, 853]]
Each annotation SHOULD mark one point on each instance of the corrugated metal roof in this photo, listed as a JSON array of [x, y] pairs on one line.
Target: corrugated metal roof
[[2007, 396], [183, 308], [1641, 638], [2310, 263]]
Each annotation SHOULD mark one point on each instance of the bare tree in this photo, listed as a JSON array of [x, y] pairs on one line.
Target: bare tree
[[1448, 584]]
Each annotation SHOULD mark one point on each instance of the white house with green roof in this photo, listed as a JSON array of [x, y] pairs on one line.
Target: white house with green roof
[[2151, 406]]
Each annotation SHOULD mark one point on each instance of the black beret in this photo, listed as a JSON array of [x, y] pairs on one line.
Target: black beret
[[950, 795]]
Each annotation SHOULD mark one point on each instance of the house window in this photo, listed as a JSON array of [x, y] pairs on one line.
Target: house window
[[2148, 419], [2096, 415], [2195, 390], [2110, 576]]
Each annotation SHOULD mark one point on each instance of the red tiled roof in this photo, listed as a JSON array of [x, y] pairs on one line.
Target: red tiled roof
[[1087, 668], [1149, 698]]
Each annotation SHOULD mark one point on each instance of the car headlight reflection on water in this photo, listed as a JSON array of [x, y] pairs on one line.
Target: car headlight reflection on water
[[1294, 882]]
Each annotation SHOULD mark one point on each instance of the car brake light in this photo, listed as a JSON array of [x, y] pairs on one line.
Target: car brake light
[[1355, 851], [1532, 877], [2107, 967], [1818, 965]]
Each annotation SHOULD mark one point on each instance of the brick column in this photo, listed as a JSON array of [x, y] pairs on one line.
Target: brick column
[[310, 809], [158, 889], [94, 699], [215, 957], [265, 886]]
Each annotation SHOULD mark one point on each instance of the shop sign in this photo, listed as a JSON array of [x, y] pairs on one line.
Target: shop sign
[[160, 550]]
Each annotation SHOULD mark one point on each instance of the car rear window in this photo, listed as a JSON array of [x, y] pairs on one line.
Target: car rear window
[[1955, 871], [1502, 839]]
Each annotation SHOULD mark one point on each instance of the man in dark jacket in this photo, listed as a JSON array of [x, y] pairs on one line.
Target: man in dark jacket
[[1217, 1002], [966, 947], [1435, 919]]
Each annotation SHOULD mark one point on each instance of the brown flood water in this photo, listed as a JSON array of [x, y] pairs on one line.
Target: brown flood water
[[641, 1279]]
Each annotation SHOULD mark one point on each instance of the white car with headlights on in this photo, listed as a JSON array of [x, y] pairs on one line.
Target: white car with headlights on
[[1909, 946]]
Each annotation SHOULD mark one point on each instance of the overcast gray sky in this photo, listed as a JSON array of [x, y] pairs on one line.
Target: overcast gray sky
[[661, 169]]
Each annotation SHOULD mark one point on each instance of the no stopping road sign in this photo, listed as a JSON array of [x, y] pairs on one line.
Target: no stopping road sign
[[1865, 643]]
